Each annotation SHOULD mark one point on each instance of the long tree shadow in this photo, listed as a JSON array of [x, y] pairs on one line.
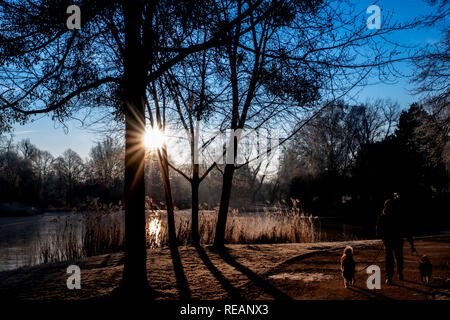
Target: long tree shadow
[[411, 289], [256, 279], [429, 293], [226, 284], [368, 293], [105, 261], [183, 286], [422, 284]]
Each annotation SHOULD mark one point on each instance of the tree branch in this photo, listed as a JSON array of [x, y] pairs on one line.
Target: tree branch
[[207, 171], [64, 100], [180, 172]]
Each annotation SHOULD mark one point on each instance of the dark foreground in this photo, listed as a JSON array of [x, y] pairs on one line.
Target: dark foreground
[[248, 272]]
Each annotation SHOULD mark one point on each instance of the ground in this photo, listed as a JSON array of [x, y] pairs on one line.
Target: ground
[[263, 271]]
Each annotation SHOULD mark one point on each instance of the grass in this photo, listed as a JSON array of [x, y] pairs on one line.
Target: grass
[[100, 230]]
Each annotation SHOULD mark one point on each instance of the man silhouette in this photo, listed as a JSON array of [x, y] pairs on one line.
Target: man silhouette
[[392, 227]]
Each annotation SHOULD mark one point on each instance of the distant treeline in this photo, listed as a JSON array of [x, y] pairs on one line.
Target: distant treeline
[[345, 162], [36, 178]]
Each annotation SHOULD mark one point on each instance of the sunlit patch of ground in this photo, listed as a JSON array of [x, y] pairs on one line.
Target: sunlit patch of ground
[[331, 287], [266, 271], [302, 276]]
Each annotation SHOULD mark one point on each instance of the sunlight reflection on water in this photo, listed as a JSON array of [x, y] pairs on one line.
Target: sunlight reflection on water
[[154, 231]]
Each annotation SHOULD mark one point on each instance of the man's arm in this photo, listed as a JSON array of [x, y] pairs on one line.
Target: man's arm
[[409, 237]]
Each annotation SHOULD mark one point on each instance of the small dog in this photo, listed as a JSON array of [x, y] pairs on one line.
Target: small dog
[[348, 267], [425, 269]]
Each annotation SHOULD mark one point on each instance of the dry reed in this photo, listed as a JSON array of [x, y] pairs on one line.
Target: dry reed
[[101, 230]]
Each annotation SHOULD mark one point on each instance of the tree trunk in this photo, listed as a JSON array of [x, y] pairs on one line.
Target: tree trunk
[[183, 287], [164, 166], [195, 183], [219, 239], [135, 271]]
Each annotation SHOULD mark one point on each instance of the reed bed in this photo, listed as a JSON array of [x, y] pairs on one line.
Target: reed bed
[[63, 244], [100, 230]]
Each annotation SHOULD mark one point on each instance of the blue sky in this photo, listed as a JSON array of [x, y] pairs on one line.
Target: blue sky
[[49, 135]]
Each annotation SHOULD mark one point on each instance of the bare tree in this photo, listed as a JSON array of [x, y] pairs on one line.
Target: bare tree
[[300, 53], [433, 85], [123, 47], [433, 70], [332, 140], [106, 162], [194, 101], [69, 169], [27, 149]]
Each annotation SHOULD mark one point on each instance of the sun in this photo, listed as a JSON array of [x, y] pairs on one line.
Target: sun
[[153, 138]]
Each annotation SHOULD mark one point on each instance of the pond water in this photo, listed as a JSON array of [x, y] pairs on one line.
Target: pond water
[[18, 235]]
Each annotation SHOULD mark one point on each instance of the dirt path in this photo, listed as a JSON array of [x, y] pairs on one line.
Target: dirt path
[[318, 277], [266, 271]]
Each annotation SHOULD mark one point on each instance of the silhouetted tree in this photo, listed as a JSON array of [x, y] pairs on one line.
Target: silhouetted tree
[[122, 47], [69, 170], [433, 62], [106, 163], [194, 101], [292, 58], [400, 164]]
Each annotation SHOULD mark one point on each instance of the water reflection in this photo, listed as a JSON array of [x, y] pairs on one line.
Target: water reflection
[[154, 230], [20, 236]]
